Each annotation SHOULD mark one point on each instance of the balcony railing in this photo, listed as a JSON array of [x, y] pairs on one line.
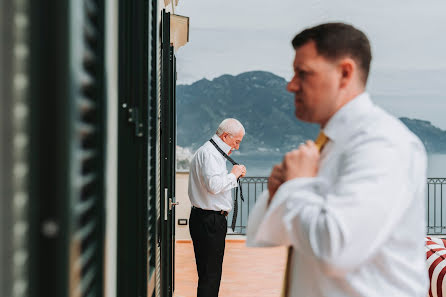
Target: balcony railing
[[435, 209], [252, 187]]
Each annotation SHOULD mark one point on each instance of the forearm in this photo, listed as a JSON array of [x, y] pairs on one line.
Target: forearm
[[220, 183], [344, 225]]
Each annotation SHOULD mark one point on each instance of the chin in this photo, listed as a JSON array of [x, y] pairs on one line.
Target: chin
[[304, 118], [300, 116], [300, 113]]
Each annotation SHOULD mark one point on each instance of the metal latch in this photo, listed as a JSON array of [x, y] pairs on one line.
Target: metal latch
[[172, 203]]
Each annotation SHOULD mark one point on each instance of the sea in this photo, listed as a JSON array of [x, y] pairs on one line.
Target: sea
[[261, 165]]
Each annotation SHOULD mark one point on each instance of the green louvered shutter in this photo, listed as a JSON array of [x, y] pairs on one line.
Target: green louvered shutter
[[137, 148], [168, 144], [67, 147], [87, 91], [14, 147], [153, 150]]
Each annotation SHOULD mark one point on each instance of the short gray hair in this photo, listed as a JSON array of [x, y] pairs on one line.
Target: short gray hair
[[231, 126]]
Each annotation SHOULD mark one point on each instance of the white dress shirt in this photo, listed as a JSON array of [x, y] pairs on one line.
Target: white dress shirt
[[209, 182], [358, 227]]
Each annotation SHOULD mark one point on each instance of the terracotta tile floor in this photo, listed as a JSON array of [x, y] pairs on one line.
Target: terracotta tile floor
[[247, 272]]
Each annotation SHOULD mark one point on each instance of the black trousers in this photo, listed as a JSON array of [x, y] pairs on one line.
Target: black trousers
[[208, 231]]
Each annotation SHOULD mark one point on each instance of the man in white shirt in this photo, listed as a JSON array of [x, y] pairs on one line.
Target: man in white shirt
[[210, 195], [354, 212]]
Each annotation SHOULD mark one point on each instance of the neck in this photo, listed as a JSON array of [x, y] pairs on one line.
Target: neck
[[348, 96], [224, 146]]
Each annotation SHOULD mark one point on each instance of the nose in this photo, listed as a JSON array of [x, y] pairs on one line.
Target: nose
[[293, 85]]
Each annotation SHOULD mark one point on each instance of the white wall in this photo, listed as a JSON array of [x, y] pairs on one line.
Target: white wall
[[182, 211]]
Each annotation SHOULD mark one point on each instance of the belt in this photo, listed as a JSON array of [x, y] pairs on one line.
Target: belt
[[221, 212]]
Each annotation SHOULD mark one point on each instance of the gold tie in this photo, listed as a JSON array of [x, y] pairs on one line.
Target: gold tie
[[321, 140]]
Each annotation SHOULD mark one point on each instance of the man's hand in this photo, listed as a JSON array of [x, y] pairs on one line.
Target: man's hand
[[244, 171], [303, 162], [238, 170], [275, 180]]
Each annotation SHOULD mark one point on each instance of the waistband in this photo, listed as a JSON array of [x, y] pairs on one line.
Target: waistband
[[220, 212]]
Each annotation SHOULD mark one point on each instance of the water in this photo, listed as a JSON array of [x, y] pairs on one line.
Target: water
[[261, 165], [258, 164], [436, 166]]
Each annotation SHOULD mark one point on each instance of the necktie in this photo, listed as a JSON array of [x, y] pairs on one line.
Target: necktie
[[235, 210], [320, 141]]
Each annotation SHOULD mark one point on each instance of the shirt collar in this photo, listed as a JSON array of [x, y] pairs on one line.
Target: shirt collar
[[221, 144], [348, 117]]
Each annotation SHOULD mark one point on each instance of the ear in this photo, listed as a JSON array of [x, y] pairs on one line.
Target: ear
[[223, 136], [347, 68]]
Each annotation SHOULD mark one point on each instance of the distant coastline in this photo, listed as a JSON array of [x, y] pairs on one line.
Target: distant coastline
[[260, 100]]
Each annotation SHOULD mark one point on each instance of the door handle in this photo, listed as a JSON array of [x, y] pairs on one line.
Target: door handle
[[172, 203]]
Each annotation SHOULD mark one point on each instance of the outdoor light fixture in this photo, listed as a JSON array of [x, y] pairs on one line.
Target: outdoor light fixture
[[182, 222], [167, 2], [179, 30]]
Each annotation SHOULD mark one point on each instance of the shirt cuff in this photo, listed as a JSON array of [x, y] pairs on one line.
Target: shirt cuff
[[233, 179]]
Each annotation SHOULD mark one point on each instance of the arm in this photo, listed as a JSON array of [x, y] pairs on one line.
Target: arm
[[215, 178], [255, 219], [257, 214], [343, 226]]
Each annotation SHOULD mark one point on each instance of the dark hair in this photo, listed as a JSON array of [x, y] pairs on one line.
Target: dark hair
[[337, 40]]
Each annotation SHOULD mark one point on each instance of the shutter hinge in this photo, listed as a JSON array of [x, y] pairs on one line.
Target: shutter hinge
[[134, 116]]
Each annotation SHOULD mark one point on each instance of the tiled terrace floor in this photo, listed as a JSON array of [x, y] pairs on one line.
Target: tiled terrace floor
[[247, 272]]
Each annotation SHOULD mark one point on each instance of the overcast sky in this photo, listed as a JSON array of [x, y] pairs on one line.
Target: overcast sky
[[408, 38]]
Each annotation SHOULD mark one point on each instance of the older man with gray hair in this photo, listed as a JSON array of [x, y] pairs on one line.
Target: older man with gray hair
[[210, 187]]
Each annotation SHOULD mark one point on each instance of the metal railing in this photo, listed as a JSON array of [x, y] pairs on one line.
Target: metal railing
[[252, 187], [435, 208]]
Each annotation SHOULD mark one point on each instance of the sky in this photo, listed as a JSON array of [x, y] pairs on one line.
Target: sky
[[408, 38]]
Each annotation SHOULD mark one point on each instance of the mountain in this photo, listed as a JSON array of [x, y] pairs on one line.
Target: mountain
[[260, 101], [433, 138]]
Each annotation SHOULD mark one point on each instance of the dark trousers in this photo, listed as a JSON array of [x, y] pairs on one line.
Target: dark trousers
[[208, 231]]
